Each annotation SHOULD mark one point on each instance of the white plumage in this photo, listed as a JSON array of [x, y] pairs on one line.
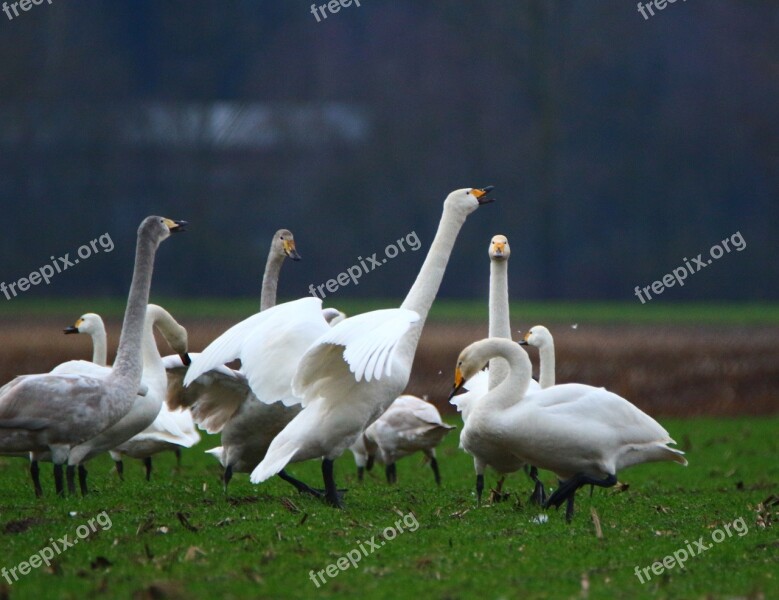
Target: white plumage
[[582, 433]]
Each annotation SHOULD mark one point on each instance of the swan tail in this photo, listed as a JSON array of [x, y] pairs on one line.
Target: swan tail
[[651, 452], [676, 456]]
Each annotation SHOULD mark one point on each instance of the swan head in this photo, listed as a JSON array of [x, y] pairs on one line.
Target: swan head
[[174, 334], [469, 363], [538, 336], [499, 248], [333, 316], [468, 200], [90, 323], [160, 228], [284, 244], [476, 356]]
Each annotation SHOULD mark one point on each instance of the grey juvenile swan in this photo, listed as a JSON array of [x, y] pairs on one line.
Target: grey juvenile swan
[[58, 411]]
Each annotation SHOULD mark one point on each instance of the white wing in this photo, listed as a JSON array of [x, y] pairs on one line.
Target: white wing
[[369, 342], [269, 344]]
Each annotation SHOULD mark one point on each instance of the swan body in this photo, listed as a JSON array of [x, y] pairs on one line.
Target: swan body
[[58, 410], [408, 426], [351, 374], [582, 433]]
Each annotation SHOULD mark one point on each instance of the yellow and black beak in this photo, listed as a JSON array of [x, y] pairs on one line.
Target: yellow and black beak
[[499, 249], [290, 250], [73, 328], [523, 341], [458, 382], [481, 194], [175, 226]]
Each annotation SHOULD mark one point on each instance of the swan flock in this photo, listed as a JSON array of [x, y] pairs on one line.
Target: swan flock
[[315, 382]]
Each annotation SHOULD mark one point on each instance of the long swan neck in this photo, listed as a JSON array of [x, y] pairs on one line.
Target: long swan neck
[[150, 354], [514, 386], [270, 279], [99, 347], [500, 326], [547, 366], [422, 294], [128, 356]]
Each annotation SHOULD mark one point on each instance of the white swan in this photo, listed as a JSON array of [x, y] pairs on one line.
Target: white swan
[[408, 426], [585, 435], [57, 411], [540, 337], [499, 253], [221, 400], [351, 374]]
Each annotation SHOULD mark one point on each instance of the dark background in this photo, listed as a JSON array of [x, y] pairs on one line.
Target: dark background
[[617, 145]]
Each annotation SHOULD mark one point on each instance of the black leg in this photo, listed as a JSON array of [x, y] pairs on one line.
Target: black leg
[[299, 485], [82, 480], [70, 474], [147, 464], [119, 469], [436, 473], [371, 459], [332, 495], [392, 473], [360, 473], [177, 452], [36, 478], [538, 496], [228, 475], [59, 488], [567, 489], [569, 508], [479, 487]]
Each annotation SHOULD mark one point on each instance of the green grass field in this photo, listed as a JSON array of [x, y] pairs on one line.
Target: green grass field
[[752, 313], [263, 541]]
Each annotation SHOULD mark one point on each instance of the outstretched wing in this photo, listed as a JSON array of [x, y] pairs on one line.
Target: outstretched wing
[[269, 345], [364, 344]]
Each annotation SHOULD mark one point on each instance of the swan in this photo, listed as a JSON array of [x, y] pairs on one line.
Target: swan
[[585, 435], [57, 411], [409, 425], [91, 324], [146, 408], [540, 337], [347, 377], [168, 431], [221, 399], [499, 252]]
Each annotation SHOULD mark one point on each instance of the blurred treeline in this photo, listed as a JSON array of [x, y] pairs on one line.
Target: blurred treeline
[[617, 145]]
